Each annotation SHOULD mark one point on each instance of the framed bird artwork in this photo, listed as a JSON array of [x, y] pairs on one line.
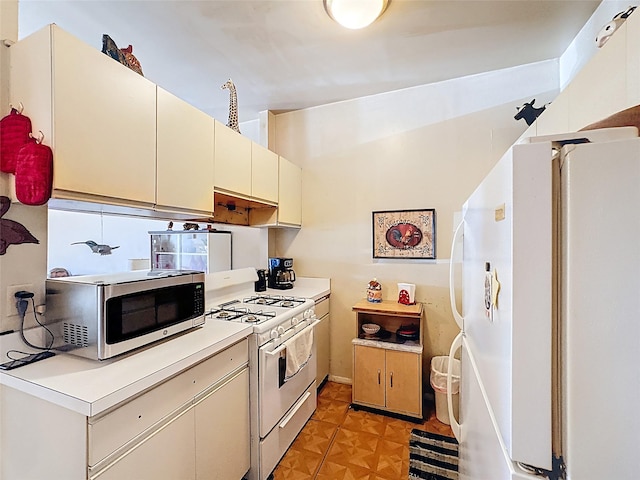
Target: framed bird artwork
[[409, 234]]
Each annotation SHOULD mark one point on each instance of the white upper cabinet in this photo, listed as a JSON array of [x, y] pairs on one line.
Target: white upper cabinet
[[184, 156], [98, 116], [232, 164], [264, 174], [118, 139], [290, 194]]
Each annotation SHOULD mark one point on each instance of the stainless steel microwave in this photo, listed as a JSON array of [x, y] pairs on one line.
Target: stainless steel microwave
[[101, 316]]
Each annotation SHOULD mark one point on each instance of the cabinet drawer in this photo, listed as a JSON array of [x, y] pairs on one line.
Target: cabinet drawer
[[216, 368], [111, 431], [283, 434], [322, 308]]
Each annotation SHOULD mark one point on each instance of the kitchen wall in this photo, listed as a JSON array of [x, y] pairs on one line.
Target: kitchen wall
[[8, 30], [423, 147], [24, 264]]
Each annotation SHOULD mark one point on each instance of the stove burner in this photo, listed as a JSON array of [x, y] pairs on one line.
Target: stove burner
[[227, 313], [250, 319], [275, 300]]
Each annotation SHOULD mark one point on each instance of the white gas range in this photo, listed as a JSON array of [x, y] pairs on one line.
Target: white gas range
[[281, 400], [274, 317]]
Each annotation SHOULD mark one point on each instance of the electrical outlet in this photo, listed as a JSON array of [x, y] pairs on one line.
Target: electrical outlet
[[11, 298]]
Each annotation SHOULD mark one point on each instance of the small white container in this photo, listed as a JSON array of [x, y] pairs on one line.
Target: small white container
[[139, 264], [370, 328], [407, 293]]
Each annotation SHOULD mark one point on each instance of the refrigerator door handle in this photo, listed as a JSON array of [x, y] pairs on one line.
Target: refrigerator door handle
[[452, 290], [455, 345]]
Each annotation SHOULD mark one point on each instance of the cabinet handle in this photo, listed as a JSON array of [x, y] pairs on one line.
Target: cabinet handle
[[391, 379], [378, 377]]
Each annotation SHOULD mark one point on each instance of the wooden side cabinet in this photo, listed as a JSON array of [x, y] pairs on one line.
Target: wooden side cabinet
[[387, 365]]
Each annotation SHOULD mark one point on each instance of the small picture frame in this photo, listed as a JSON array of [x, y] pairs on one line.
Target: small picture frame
[[407, 234]]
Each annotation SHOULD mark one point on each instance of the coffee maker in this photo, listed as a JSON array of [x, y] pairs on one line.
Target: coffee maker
[[281, 274]]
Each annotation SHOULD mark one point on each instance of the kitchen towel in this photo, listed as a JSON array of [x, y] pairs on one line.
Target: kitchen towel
[[299, 349], [432, 456]]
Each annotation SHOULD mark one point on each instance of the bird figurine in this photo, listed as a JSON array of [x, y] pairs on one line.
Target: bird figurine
[[97, 248], [12, 233]]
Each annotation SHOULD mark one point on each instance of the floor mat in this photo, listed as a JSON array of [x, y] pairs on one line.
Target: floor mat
[[432, 456]]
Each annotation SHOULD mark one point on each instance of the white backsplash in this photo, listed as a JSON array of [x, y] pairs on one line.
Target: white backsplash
[[131, 237]]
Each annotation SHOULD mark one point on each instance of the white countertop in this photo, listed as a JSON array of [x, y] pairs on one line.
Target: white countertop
[[90, 387], [306, 287], [399, 347]]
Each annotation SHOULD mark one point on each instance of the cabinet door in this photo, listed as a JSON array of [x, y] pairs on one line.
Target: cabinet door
[[232, 164], [290, 194], [264, 174], [222, 431], [104, 124], [184, 157], [369, 375], [168, 453], [404, 380], [321, 337]]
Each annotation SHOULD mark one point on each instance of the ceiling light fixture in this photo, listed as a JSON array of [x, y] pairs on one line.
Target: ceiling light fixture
[[355, 14]]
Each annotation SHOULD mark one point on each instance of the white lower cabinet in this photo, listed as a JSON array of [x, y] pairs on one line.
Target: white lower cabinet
[[193, 426], [322, 339], [168, 453], [214, 430], [222, 431]]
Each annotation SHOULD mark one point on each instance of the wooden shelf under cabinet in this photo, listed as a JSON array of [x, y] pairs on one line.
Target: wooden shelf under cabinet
[[387, 369], [390, 316]]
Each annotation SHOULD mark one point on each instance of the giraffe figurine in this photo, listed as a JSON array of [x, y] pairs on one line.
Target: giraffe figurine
[[233, 106]]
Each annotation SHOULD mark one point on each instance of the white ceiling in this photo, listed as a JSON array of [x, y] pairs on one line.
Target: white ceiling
[[288, 54]]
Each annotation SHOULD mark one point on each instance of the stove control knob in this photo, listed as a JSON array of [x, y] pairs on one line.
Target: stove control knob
[[274, 333], [294, 321], [281, 330]]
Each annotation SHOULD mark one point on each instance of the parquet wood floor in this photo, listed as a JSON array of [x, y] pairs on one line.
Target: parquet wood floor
[[341, 443]]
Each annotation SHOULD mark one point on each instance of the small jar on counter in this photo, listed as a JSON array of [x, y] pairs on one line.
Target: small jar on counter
[[374, 291]]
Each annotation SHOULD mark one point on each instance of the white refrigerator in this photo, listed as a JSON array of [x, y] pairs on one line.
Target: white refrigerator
[[550, 320]]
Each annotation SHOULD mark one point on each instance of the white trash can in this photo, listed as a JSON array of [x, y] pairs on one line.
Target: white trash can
[[439, 366]]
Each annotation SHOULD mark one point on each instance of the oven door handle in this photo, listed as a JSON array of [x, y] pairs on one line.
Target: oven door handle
[[295, 409], [282, 347]]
